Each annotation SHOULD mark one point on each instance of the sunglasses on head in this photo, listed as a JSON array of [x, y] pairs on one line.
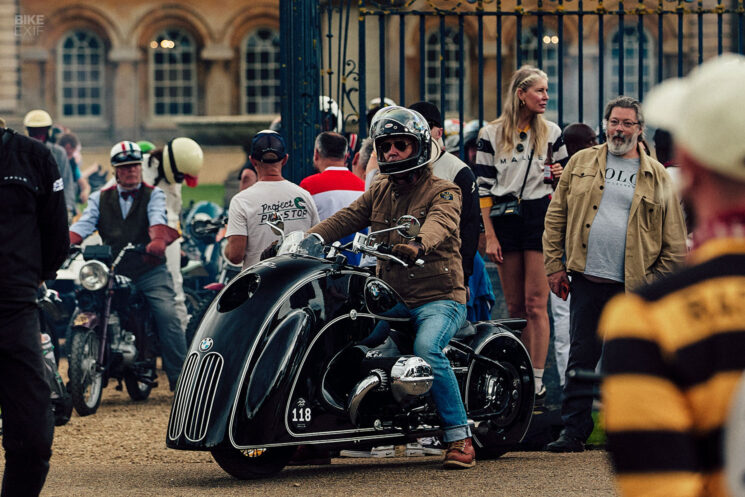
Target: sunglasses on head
[[401, 145], [523, 136]]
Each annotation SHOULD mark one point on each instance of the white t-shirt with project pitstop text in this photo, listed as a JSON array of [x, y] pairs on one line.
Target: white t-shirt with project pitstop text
[[250, 209]]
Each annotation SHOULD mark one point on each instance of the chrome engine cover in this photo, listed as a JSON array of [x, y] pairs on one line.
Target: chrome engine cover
[[411, 376]]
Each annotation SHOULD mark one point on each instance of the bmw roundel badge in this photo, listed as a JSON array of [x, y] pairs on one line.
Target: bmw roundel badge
[[205, 344]]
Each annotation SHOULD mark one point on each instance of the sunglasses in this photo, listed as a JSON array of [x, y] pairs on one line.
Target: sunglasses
[[401, 146], [523, 136]]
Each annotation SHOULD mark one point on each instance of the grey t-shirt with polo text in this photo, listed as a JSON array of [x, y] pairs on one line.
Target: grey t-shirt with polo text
[[606, 245]]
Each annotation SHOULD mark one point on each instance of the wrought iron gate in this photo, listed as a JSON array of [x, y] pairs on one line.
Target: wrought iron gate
[[459, 54]]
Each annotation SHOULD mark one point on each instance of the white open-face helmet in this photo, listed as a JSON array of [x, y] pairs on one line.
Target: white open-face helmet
[[125, 153], [37, 118], [182, 161]]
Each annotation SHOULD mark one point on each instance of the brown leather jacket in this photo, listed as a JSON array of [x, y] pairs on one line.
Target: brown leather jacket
[[436, 204]]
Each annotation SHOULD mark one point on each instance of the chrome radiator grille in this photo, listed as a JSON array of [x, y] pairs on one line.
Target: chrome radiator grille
[[193, 403]]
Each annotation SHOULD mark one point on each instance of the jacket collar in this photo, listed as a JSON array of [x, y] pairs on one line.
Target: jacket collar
[[404, 189], [645, 166]]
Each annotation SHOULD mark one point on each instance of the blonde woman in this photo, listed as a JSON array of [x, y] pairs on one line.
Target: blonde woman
[[509, 165]]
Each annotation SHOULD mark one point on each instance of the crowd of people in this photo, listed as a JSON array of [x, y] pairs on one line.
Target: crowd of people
[[597, 233], [42, 189]]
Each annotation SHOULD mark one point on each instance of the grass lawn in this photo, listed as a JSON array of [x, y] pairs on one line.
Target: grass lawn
[[597, 437], [212, 193]]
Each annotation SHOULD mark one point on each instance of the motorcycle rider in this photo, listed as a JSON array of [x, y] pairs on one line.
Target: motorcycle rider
[[435, 292], [35, 244], [135, 212]]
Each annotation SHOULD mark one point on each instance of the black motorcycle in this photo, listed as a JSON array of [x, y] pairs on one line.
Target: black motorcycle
[[113, 333], [277, 363]]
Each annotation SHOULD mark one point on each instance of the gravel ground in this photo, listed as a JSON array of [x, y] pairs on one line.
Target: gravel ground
[[120, 451]]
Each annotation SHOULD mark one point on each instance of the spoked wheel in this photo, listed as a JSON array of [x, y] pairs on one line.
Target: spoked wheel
[[86, 380], [502, 401], [252, 464]]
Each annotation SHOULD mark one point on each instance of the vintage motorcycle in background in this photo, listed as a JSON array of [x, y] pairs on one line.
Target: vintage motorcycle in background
[[112, 335], [277, 362], [205, 277]]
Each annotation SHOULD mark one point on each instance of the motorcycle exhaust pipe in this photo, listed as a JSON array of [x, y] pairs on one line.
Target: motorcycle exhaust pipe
[[360, 390]]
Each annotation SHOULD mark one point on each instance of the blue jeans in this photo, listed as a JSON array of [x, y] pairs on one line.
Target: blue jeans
[[435, 323], [157, 286]]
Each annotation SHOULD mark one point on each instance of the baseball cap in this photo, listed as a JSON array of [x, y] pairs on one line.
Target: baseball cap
[[429, 111], [698, 111], [266, 142]]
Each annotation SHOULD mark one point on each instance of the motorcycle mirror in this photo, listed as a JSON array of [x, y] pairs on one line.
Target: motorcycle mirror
[[408, 226], [276, 223]]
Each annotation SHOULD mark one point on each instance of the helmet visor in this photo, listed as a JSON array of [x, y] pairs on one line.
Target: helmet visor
[[126, 157]]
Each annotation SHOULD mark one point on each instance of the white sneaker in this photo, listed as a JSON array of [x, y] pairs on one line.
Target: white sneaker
[[414, 449], [431, 446]]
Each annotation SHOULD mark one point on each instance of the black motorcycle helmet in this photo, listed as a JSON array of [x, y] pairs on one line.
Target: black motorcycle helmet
[[400, 121]]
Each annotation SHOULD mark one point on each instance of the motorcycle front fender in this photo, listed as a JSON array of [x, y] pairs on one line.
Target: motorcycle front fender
[[222, 377], [89, 320]]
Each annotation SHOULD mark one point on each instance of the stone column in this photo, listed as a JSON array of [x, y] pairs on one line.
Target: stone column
[[125, 104], [9, 76], [218, 84]]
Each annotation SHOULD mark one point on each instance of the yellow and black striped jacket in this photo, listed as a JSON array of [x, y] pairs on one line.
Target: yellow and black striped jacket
[[674, 353]]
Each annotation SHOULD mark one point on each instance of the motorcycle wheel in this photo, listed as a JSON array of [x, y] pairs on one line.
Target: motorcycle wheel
[[196, 317], [252, 464], [86, 382], [137, 390], [507, 398]]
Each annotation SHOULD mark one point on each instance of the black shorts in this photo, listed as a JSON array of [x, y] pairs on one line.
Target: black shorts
[[520, 233]]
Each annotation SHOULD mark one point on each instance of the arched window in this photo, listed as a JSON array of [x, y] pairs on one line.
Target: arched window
[[433, 64], [260, 72], [631, 47], [80, 74], [548, 42], [173, 78]]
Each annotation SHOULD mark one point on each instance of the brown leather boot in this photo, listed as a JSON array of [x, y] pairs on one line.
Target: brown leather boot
[[460, 455]]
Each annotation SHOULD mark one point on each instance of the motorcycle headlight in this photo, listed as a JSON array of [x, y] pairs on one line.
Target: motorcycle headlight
[[94, 275]]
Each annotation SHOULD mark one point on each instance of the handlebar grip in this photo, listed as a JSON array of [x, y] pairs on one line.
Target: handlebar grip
[[385, 249]]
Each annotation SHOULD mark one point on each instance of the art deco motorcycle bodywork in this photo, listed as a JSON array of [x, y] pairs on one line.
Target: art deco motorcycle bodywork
[[277, 363]]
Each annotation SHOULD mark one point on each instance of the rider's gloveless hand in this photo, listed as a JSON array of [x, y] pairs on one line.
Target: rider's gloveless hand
[[160, 235], [408, 251]]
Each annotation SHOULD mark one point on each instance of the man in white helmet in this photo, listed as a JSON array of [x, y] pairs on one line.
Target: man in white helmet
[[167, 168], [38, 123], [134, 212]]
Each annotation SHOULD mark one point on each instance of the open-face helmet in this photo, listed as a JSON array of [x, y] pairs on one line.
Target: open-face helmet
[[37, 118], [182, 161], [125, 153], [399, 121]]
